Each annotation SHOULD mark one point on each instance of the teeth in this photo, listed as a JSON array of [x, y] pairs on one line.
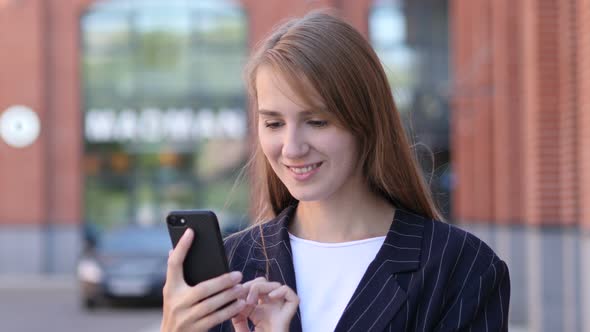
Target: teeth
[[303, 170]]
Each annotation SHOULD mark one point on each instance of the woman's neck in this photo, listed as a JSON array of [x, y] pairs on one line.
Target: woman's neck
[[358, 216]]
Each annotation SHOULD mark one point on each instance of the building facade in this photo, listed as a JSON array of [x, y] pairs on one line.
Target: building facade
[[115, 111], [520, 145]]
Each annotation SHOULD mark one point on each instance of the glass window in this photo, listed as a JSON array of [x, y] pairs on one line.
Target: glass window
[[411, 40], [164, 110]]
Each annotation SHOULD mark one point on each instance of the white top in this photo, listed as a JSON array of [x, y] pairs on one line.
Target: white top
[[327, 275]]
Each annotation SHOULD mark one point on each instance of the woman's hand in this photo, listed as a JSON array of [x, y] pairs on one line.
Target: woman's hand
[[197, 308], [269, 305]]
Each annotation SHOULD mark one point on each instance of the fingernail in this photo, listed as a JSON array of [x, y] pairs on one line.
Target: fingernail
[[272, 294], [236, 276]]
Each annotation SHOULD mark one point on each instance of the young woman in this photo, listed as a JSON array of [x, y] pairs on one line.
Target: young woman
[[351, 239]]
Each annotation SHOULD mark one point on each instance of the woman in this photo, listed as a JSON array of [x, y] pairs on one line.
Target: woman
[[351, 240]]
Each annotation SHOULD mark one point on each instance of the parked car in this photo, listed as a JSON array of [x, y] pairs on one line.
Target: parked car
[[127, 263]]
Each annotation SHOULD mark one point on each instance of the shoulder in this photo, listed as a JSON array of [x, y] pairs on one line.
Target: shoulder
[[457, 243], [457, 279], [446, 243], [239, 246], [465, 264], [259, 235], [473, 280], [449, 249], [250, 243]]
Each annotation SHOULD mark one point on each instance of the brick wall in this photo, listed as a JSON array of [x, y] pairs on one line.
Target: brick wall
[[22, 77], [582, 42], [263, 15], [519, 122]]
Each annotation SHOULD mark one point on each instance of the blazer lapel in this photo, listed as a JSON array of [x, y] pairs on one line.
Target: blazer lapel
[[278, 256], [378, 296]]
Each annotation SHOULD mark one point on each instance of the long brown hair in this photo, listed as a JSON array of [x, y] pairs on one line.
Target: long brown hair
[[321, 54]]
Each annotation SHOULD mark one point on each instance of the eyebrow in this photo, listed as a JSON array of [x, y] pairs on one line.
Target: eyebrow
[[304, 112]]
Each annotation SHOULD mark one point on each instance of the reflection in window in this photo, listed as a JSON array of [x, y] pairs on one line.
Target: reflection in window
[[387, 27], [164, 122], [411, 39]]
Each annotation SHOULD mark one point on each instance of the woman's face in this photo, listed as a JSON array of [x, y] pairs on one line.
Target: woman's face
[[314, 158]]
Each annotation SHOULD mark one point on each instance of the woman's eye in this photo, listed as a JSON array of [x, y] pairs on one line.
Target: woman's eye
[[272, 125], [318, 123]]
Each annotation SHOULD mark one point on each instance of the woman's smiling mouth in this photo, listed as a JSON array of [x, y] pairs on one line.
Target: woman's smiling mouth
[[303, 172]]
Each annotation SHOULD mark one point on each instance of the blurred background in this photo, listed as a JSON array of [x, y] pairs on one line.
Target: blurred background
[[114, 112]]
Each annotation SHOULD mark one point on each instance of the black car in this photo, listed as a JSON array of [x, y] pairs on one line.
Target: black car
[[127, 263]]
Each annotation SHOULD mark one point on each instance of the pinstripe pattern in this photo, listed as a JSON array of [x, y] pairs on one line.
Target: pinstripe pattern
[[427, 276]]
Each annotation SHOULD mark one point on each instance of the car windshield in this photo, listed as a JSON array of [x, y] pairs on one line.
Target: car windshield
[[139, 240]]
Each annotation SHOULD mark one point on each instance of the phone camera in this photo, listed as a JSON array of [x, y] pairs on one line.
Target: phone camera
[[182, 221], [173, 221]]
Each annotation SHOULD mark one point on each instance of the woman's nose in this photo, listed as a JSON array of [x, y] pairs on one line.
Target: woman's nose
[[295, 144]]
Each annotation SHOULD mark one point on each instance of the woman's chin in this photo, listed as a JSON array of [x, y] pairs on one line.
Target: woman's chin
[[307, 196]]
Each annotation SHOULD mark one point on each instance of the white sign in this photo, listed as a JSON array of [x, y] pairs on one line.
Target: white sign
[[19, 126], [154, 125]]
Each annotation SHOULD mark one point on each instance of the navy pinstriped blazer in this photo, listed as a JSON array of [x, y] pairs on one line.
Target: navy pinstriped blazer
[[427, 276]]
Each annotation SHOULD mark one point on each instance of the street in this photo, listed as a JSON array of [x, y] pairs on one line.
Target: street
[[58, 309]]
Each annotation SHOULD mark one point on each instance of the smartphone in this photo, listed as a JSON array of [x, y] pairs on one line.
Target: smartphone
[[206, 257]]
